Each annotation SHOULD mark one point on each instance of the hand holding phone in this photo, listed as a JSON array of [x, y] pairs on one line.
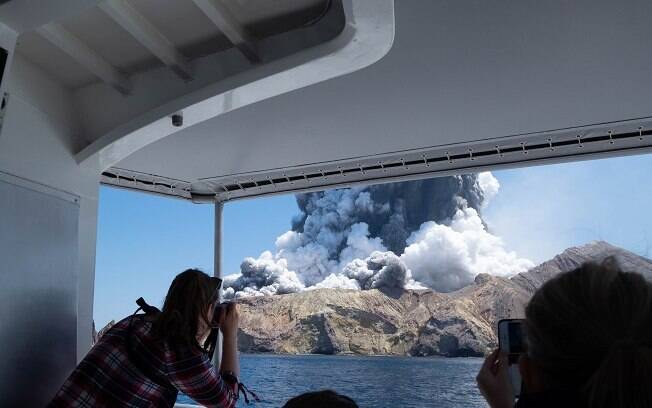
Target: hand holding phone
[[494, 382], [511, 341]]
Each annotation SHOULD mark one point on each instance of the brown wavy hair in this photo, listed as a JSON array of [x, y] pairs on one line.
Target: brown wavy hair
[[590, 331], [187, 301], [321, 399]]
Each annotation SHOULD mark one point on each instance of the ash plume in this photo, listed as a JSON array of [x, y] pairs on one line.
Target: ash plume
[[414, 234], [392, 211]]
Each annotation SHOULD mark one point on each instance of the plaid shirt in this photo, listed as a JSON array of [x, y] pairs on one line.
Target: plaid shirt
[[107, 378]]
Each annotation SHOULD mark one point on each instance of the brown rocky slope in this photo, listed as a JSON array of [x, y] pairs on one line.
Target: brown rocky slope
[[410, 322]]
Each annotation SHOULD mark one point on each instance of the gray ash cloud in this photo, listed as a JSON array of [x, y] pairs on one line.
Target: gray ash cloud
[[414, 234], [400, 208]]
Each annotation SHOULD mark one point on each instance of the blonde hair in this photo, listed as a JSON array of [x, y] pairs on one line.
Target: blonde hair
[[590, 331]]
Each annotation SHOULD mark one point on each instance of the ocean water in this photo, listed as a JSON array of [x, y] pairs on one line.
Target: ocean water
[[371, 381]]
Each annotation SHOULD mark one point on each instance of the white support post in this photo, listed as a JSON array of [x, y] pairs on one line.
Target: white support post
[[220, 15], [80, 52], [217, 271], [147, 35]]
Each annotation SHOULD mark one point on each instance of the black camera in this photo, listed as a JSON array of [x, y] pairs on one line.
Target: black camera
[[218, 313]]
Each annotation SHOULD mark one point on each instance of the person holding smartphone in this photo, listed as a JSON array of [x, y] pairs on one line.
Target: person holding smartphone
[[588, 343], [145, 360]]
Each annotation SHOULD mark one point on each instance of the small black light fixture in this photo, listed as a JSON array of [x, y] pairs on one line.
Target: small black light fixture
[[177, 120]]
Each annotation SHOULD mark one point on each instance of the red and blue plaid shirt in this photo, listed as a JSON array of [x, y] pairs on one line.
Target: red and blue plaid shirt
[[107, 377]]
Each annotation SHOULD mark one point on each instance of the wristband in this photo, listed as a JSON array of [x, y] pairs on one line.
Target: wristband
[[230, 377]]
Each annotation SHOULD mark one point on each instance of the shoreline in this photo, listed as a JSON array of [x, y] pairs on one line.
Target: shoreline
[[350, 355]]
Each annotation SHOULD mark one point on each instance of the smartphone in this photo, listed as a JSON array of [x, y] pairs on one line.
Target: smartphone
[[511, 340]]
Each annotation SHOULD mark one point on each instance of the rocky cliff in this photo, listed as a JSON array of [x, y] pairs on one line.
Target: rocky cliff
[[411, 322], [573, 257]]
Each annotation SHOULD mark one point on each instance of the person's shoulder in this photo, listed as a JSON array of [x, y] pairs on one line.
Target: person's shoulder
[[133, 325], [128, 323]]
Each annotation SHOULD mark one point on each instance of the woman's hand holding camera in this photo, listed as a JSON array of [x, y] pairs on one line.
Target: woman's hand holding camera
[[229, 319], [229, 325]]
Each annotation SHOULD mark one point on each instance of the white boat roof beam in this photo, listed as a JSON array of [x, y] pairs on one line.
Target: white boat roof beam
[[463, 79], [220, 15], [565, 145], [147, 35], [80, 52]]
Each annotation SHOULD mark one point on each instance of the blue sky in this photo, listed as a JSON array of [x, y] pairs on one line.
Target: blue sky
[[539, 211], [146, 240]]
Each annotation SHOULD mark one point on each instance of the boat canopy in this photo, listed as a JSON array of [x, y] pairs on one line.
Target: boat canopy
[[310, 94]]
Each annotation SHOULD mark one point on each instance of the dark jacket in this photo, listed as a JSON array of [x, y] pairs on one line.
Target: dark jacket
[[551, 399]]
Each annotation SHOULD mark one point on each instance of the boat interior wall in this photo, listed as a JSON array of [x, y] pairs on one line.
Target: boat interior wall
[[38, 290], [37, 145], [463, 79]]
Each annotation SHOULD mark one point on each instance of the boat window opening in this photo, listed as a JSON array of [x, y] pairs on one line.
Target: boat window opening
[[380, 278], [143, 242]]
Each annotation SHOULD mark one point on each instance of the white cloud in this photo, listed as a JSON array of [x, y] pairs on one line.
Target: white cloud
[[448, 257], [359, 245], [489, 186], [334, 281]]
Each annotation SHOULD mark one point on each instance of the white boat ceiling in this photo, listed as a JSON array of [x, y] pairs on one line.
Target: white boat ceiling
[[458, 86]]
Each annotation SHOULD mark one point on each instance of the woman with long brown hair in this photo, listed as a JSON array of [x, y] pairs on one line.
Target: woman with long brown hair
[[145, 360], [589, 344]]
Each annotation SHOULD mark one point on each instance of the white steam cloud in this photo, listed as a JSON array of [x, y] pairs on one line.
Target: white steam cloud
[[448, 257], [331, 246]]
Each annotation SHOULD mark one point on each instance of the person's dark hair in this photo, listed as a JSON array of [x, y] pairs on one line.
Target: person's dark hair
[[590, 330], [321, 399], [187, 301]]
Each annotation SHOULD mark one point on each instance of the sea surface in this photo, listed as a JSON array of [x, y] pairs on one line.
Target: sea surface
[[396, 382]]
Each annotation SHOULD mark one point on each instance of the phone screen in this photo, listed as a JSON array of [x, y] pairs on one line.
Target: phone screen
[[512, 341]]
